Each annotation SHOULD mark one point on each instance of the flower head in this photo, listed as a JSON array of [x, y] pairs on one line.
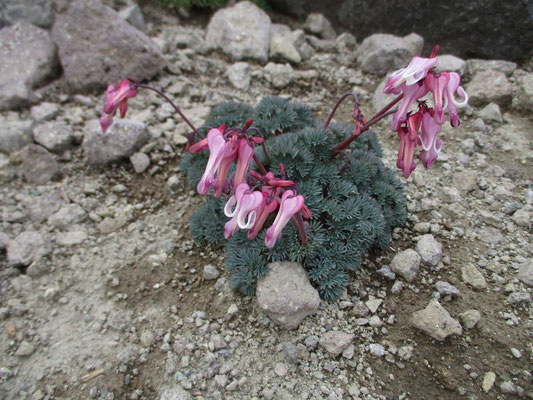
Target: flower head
[[411, 94], [267, 207], [116, 99], [290, 205], [415, 71], [244, 214], [408, 140], [246, 152], [431, 145], [449, 98]]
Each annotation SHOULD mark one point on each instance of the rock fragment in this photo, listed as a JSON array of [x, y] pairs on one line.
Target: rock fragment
[[38, 165], [334, 342], [436, 321], [472, 276], [318, 24], [26, 248], [429, 250], [406, 264], [490, 86]]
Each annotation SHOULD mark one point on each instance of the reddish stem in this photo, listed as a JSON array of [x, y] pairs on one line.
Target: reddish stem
[[260, 165], [338, 103], [301, 227]]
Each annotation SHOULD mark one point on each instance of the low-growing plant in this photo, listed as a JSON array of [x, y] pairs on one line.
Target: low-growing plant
[[321, 188]]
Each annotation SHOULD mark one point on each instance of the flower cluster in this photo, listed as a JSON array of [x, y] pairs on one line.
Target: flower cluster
[[414, 82], [116, 99]]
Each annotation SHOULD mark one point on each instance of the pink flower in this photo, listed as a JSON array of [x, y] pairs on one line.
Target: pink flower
[[408, 139], [246, 153], [267, 207], [290, 205], [449, 97], [415, 71], [116, 99], [431, 145], [437, 83], [410, 94], [247, 202], [219, 150]]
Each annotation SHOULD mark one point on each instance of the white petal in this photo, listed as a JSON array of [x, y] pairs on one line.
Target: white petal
[[461, 93], [227, 208]]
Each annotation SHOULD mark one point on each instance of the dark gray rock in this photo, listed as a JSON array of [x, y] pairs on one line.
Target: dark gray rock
[[38, 165], [122, 139], [97, 47], [55, 136], [36, 12], [26, 248], [29, 59]]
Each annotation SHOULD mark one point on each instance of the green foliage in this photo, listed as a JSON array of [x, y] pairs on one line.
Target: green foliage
[[356, 201]]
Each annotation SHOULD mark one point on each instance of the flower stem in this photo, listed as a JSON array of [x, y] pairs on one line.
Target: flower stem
[[260, 165], [299, 222], [338, 103]]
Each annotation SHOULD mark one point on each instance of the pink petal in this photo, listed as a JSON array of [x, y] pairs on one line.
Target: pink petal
[[289, 206]]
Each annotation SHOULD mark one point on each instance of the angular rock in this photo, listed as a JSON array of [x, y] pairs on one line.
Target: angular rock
[[377, 350], [26, 248], [140, 162], [241, 31], [519, 298], [279, 75], [286, 295], [447, 289], [239, 75], [38, 165], [450, 63], [522, 218], [472, 276], [174, 393], [381, 53], [121, 141], [67, 215], [491, 113], [210, 272], [36, 12], [489, 86], [29, 59], [318, 25], [25, 349], [282, 49], [429, 250], [523, 95], [44, 111], [470, 318], [7, 171], [54, 136], [93, 55], [436, 321], [299, 41], [334, 342], [71, 238], [44, 206], [406, 264], [134, 16], [474, 66], [525, 272]]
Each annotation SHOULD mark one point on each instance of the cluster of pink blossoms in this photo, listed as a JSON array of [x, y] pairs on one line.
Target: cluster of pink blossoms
[[116, 99], [414, 82]]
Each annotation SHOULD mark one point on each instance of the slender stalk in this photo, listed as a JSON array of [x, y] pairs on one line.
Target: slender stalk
[[388, 106], [338, 103], [260, 165], [301, 227], [160, 93]]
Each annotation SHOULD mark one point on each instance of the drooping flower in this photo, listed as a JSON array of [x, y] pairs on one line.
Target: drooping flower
[[267, 207], [449, 98], [408, 140], [116, 99], [428, 139], [290, 205], [413, 73], [437, 83], [219, 149], [244, 214], [245, 152], [411, 94]]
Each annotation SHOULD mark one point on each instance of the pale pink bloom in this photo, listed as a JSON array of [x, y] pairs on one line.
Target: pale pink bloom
[[449, 97], [290, 205], [116, 99], [414, 72], [245, 152], [244, 214], [267, 207], [437, 83], [410, 95], [219, 149], [429, 141]]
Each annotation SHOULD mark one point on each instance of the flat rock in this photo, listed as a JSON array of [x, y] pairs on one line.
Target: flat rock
[[45, 205], [334, 342], [406, 264], [477, 65], [25, 349], [522, 218], [491, 113], [490, 86], [54, 136], [241, 31], [381, 53], [174, 393], [447, 289], [318, 24], [122, 139], [286, 295], [93, 55], [38, 165], [429, 250], [472, 276], [26, 248], [29, 59], [15, 134], [44, 111], [71, 238], [436, 321], [210, 272], [67, 215]]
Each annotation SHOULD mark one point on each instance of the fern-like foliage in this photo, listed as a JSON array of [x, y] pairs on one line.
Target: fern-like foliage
[[356, 201]]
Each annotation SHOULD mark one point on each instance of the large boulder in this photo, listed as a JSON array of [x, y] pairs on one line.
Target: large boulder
[[36, 12], [241, 31], [97, 47], [29, 59]]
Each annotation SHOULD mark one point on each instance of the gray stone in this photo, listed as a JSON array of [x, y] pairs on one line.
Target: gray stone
[[29, 59], [386, 272], [54, 136], [239, 75], [405, 352], [122, 139], [282, 49], [488, 381], [279, 75], [436, 321], [15, 134], [38, 165], [93, 55], [522, 218], [490, 235], [523, 95], [447, 289], [491, 113], [489, 86], [44, 111], [381, 53], [299, 41], [519, 298], [67, 215], [470, 318], [373, 304], [508, 387], [472, 276], [525, 272], [318, 25], [25, 349], [450, 63], [140, 162], [406, 264], [286, 295], [241, 31], [26, 248], [429, 250], [334, 342], [210, 272], [147, 338], [465, 181], [134, 16], [7, 171], [44, 206], [346, 41], [36, 12], [377, 350], [71, 238], [474, 66]]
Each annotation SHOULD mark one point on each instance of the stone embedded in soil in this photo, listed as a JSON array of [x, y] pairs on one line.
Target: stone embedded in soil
[[491, 113], [25, 349], [334, 342], [377, 350], [406, 264], [26, 248], [174, 393], [373, 304], [44, 111], [67, 215], [38, 165], [282, 49], [436, 321], [15, 134], [147, 338], [318, 24], [488, 381], [210, 272], [522, 218], [525, 272], [516, 298], [429, 250], [472, 276], [54, 136], [279, 75], [286, 295], [445, 289], [71, 238], [239, 75], [489, 86], [140, 162], [470, 318], [490, 235]]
